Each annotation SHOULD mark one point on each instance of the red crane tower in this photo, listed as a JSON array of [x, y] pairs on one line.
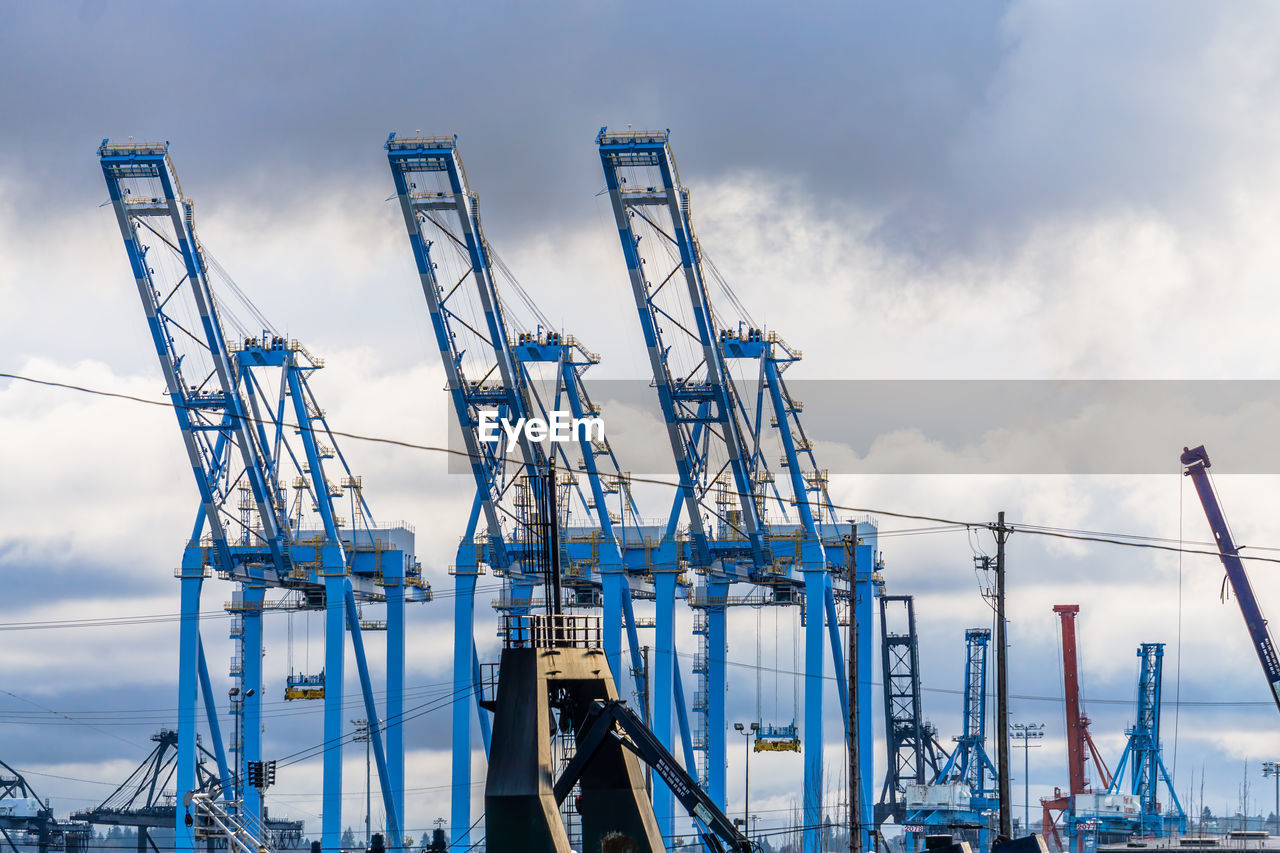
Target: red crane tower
[[1078, 738]]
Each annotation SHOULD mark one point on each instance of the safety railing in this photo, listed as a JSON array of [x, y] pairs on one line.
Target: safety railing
[[552, 631]]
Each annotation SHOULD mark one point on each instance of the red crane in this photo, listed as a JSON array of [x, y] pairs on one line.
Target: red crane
[[1078, 738]]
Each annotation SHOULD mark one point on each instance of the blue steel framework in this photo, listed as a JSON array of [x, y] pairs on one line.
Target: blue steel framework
[[1139, 774], [718, 432], [238, 405], [968, 778], [493, 366]]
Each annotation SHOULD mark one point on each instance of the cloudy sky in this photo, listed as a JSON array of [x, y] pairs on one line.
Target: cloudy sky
[[1027, 190]]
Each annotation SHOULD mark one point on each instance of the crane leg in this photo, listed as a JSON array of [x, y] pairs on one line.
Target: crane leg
[[815, 638], [463, 618], [188, 674], [335, 622]]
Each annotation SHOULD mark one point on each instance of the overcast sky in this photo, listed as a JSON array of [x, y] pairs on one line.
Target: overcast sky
[[1025, 190]]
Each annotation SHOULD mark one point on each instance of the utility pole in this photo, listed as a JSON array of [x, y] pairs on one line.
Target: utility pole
[[855, 788], [1002, 682]]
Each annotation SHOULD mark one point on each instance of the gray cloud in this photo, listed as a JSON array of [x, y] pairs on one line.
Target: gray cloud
[[861, 100]]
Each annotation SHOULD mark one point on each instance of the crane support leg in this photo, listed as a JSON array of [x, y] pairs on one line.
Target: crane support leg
[[682, 720], [463, 650], [664, 587], [188, 678], [251, 680], [837, 653], [481, 714], [393, 584], [862, 610], [611, 626], [335, 621], [371, 715], [618, 611], [717, 642], [815, 581], [633, 640], [211, 717]]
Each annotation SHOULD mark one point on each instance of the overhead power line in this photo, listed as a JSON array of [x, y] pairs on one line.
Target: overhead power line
[[1126, 540]]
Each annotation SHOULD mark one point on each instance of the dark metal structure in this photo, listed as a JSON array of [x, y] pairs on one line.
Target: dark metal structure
[[609, 721], [915, 756], [25, 817], [554, 680], [551, 671], [147, 798]]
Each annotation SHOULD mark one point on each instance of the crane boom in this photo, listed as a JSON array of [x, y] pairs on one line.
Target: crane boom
[[1196, 461], [696, 395], [206, 399], [507, 392]]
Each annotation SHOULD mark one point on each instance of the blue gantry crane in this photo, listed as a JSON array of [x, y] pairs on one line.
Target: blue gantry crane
[[503, 368], [1131, 804], [739, 527], [263, 455], [964, 796]]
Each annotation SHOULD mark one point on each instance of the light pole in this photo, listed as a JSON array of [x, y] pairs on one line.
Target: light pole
[[1272, 768], [362, 734], [747, 731], [1027, 732], [232, 695], [237, 706]]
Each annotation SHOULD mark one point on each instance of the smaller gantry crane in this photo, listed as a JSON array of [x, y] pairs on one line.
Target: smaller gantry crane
[[1130, 805], [963, 798]]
